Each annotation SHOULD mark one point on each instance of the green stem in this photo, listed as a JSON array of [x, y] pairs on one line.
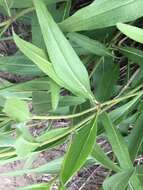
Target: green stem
[[65, 116], [22, 13], [117, 100], [96, 66], [107, 105], [72, 129], [128, 83]]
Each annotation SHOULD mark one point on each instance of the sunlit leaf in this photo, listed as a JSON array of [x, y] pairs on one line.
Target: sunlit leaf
[[97, 15], [132, 32], [66, 63]]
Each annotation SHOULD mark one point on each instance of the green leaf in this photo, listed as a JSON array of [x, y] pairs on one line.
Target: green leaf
[[52, 167], [24, 147], [36, 32], [53, 135], [105, 81], [27, 3], [55, 94], [135, 182], [38, 56], [23, 130], [99, 1], [6, 140], [42, 186], [92, 46], [124, 109], [66, 63], [99, 155], [81, 146], [133, 54], [118, 181], [42, 102], [135, 139], [132, 32], [117, 142], [97, 15], [36, 85], [19, 64], [17, 109], [139, 172]]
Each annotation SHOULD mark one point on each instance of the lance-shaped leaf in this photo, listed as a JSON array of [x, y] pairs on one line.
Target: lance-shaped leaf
[[81, 146], [133, 54], [55, 94], [117, 142], [20, 65], [67, 64], [38, 56], [42, 102], [135, 139], [99, 155], [118, 181], [122, 110], [26, 3], [51, 167], [132, 32], [92, 46], [97, 15]]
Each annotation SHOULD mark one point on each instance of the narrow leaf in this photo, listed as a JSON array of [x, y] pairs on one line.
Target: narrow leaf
[[135, 139], [118, 181], [66, 63], [19, 64], [132, 32], [42, 102], [133, 54], [38, 56], [51, 167], [55, 94], [97, 15], [81, 146], [92, 46], [27, 3], [99, 155], [117, 142], [122, 110]]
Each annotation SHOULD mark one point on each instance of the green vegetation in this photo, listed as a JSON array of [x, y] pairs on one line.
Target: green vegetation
[[86, 67]]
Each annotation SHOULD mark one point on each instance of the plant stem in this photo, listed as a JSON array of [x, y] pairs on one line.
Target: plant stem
[[95, 108], [64, 116], [128, 84], [71, 129], [96, 66]]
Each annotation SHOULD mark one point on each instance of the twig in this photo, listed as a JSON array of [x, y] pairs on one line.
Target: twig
[[128, 84]]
